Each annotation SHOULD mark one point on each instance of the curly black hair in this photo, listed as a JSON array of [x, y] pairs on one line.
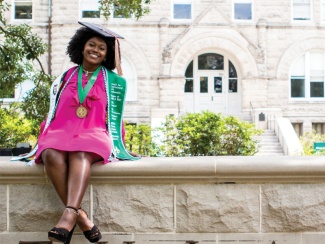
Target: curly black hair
[[77, 44]]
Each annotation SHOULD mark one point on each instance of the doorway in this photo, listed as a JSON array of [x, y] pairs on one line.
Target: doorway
[[212, 84]]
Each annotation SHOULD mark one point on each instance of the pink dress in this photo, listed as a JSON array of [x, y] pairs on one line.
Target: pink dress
[[69, 133]]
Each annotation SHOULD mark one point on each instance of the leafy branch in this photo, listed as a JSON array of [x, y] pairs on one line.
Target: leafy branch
[[125, 8]]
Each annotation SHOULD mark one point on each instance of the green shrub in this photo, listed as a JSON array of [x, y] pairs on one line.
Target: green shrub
[[14, 128], [138, 139], [207, 134], [307, 141]]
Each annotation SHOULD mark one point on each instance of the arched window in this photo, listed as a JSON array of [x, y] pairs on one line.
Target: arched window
[[210, 61], [233, 79], [307, 76], [130, 75], [189, 78]]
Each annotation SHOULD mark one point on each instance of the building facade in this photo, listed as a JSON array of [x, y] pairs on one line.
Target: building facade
[[228, 56]]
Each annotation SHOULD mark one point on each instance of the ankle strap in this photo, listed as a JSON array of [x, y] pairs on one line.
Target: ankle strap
[[73, 208]]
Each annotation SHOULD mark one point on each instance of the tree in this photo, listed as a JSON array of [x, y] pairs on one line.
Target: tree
[[20, 50], [125, 8]]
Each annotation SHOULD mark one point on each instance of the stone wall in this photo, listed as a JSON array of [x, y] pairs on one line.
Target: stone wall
[[160, 48], [177, 200]]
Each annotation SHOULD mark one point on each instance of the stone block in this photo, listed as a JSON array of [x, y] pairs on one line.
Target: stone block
[[14, 238], [33, 208], [134, 208], [260, 238], [3, 206], [217, 208], [293, 208], [175, 238], [317, 238]]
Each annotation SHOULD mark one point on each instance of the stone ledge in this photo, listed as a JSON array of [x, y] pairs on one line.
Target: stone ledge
[[221, 169]]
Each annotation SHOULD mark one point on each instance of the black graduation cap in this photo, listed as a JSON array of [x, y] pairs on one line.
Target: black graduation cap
[[106, 33], [101, 30]]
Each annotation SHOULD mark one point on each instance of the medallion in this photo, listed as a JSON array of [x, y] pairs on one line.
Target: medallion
[[81, 112]]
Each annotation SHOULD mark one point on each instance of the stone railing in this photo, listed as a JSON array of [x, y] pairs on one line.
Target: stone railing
[[287, 137], [261, 199]]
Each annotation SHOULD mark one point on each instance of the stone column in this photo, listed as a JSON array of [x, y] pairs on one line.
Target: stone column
[[171, 92], [164, 62], [261, 35]]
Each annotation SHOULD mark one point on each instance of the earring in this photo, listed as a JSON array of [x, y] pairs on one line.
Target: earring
[[104, 59]]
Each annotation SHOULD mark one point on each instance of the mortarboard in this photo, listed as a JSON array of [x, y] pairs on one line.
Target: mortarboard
[[106, 33]]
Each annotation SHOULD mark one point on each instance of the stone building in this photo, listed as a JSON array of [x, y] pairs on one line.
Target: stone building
[[239, 57]]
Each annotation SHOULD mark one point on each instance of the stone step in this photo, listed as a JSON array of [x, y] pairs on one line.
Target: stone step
[[268, 154], [268, 144]]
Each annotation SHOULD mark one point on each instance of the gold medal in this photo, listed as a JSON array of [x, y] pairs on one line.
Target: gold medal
[[81, 112]]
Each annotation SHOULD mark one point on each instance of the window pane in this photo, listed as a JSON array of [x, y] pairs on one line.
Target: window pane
[[210, 61], [316, 89], [316, 61], [301, 11], [217, 85], [232, 85], [299, 67], [203, 84], [182, 11], [189, 70], [188, 85], [297, 87], [298, 128], [232, 71], [318, 128], [23, 10], [243, 11], [301, 1], [90, 14], [90, 9]]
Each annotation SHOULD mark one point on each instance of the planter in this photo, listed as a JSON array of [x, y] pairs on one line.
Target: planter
[[5, 151]]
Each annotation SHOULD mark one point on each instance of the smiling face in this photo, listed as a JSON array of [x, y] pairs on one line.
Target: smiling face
[[94, 53]]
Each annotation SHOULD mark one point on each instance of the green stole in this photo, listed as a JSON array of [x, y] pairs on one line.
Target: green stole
[[116, 93]]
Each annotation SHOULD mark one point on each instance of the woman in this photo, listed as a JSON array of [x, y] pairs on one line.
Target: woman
[[85, 114]]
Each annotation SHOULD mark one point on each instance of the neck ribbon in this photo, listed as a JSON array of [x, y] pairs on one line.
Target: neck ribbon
[[83, 92]]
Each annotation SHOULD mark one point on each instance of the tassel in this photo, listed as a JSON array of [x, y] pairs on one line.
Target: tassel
[[117, 58]]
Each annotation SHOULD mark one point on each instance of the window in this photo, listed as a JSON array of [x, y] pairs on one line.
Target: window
[[307, 76], [130, 75], [189, 78], [210, 61], [243, 9], [182, 9], [298, 128], [232, 78], [23, 9], [89, 9], [301, 9], [319, 128], [204, 85]]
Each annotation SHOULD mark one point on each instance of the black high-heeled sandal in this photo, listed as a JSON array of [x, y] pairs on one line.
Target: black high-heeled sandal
[[70, 235], [61, 234], [92, 235]]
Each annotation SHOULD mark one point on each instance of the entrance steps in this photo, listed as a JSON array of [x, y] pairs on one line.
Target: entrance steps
[[268, 144]]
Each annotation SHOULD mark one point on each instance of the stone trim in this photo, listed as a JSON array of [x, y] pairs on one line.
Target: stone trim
[[180, 170]]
